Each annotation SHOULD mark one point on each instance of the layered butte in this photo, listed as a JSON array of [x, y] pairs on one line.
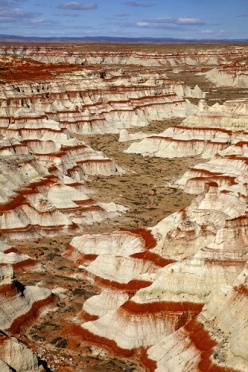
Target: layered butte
[[168, 297]]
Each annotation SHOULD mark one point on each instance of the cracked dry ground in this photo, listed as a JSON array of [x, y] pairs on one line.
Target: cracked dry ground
[[53, 336]]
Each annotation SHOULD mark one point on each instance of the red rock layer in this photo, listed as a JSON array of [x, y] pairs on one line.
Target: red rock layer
[[203, 342], [193, 56], [146, 235], [26, 319]]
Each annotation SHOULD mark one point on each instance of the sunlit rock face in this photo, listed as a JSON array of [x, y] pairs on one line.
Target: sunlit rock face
[[230, 71], [166, 303], [172, 296], [34, 200], [86, 99], [219, 129], [15, 356], [77, 55], [42, 107], [182, 141], [232, 76], [20, 306], [19, 303], [232, 114], [9, 255], [43, 171], [218, 333], [189, 258]]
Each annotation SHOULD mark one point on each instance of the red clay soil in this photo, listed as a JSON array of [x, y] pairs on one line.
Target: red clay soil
[[203, 342]]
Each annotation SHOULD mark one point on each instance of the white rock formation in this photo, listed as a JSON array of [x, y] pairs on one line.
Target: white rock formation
[[232, 114], [21, 300], [208, 243], [15, 356], [231, 76], [173, 295]]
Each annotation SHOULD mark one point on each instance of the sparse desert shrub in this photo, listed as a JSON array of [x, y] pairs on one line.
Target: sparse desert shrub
[[60, 342]]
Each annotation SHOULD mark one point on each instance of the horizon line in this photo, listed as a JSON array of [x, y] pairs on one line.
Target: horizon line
[[101, 38]]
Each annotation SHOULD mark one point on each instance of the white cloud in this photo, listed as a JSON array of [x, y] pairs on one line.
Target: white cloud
[[207, 32], [138, 4], [189, 21], [219, 33], [16, 14], [165, 22], [142, 24], [77, 6], [160, 20]]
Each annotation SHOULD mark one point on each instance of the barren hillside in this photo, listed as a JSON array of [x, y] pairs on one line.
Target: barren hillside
[[123, 207]]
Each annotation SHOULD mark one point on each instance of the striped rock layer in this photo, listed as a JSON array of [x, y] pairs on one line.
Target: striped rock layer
[[172, 296]]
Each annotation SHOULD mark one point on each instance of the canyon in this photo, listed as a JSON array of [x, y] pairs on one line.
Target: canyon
[[123, 207]]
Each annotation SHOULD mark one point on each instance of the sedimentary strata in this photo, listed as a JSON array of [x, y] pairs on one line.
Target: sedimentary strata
[[162, 297], [15, 356]]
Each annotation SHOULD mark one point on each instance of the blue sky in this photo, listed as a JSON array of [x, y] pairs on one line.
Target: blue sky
[[197, 19]]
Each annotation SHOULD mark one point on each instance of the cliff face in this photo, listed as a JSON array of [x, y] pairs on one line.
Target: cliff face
[[171, 296]]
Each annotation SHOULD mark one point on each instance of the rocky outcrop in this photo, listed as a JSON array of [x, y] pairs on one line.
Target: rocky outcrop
[[9, 255], [43, 172], [218, 129], [172, 296], [163, 303], [216, 334], [232, 114], [33, 199], [84, 103], [231, 76], [182, 141], [19, 303], [15, 356], [165, 295], [190, 57], [44, 165]]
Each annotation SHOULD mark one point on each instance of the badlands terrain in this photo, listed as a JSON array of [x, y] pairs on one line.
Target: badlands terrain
[[123, 208]]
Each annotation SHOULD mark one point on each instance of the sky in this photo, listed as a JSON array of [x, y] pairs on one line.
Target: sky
[[187, 19]]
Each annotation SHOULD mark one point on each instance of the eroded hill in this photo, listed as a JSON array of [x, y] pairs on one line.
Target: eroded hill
[[123, 207]]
